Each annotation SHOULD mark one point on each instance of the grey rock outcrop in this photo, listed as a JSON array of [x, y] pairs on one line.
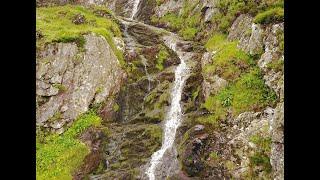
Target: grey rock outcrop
[[249, 34], [71, 80], [168, 6], [277, 147], [272, 54]]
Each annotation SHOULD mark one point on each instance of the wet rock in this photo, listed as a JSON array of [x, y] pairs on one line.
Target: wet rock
[[186, 47], [192, 163], [146, 11], [79, 19]]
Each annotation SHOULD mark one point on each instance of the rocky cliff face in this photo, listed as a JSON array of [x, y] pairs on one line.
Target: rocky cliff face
[[69, 81], [219, 137]]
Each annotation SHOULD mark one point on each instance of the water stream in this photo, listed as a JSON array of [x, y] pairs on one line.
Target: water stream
[[135, 8], [173, 118]]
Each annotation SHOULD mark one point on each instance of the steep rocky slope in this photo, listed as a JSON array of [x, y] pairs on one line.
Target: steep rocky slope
[[232, 102]]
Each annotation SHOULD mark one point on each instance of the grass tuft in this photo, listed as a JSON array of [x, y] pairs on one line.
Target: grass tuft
[[57, 156]]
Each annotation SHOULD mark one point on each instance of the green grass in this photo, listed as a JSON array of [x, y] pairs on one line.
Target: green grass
[[231, 9], [55, 23], [188, 33], [261, 156], [175, 22], [246, 90], [270, 16], [248, 93], [57, 156], [229, 61]]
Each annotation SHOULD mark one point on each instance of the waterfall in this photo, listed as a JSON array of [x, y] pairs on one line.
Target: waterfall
[[134, 8], [173, 118]]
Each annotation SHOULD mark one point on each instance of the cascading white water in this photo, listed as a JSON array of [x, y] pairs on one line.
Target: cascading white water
[[134, 8], [173, 118]]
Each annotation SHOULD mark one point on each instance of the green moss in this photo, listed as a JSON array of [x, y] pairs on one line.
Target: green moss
[[260, 159], [55, 117], [99, 89], [263, 144], [115, 107], [270, 16], [155, 132], [195, 93], [230, 165], [214, 155], [57, 156], [162, 56], [159, 2], [188, 33], [55, 23], [276, 65], [280, 38], [61, 87]]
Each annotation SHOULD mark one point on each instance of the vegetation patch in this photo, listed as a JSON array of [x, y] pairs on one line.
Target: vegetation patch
[[229, 10], [270, 16], [188, 33], [159, 2], [162, 56], [57, 156], [115, 107], [56, 25], [261, 157], [276, 65], [229, 61], [185, 24], [249, 92], [61, 87]]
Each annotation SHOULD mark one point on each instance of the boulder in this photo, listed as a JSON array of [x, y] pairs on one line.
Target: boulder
[[72, 80]]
